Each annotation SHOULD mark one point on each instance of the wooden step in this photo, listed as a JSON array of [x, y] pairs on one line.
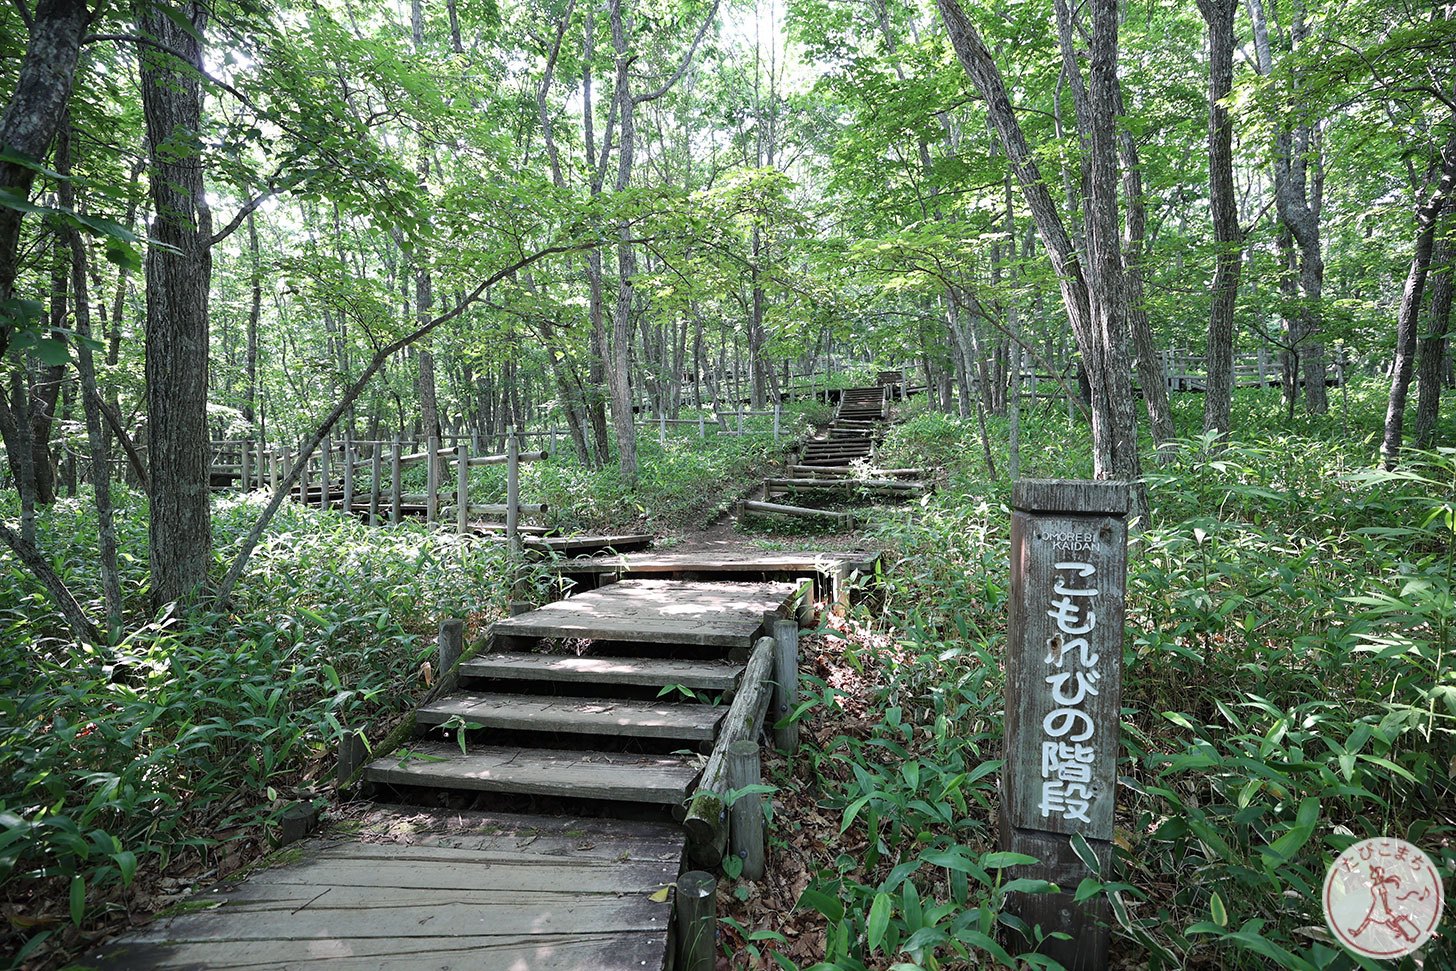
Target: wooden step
[[658, 780], [534, 713], [652, 672], [723, 614]]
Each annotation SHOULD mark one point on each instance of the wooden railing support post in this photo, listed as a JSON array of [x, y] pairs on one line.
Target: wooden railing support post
[[786, 684], [396, 491], [432, 480], [462, 488], [348, 507], [352, 753], [697, 920], [324, 455], [303, 462], [513, 492], [745, 817], [375, 470], [451, 643]]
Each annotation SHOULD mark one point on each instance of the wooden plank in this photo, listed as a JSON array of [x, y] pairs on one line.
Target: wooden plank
[[656, 672], [577, 544], [621, 951], [534, 713], [804, 511], [658, 612], [383, 824], [724, 562], [551, 894], [428, 870], [357, 912], [578, 775]]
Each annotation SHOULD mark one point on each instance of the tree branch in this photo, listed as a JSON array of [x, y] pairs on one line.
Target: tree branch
[[687, 60], [33, 558], [240, 562]]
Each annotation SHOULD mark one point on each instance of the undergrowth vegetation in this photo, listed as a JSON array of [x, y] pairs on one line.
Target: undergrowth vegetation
[[684, 481], [127, 773], [1288, 690]]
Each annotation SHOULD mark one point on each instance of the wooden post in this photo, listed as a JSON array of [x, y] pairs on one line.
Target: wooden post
[[396, 491], [513, 492], [778, 407], [661, 427], [348, 507], [462, 488], [1063, 702], [452, 643], [375, 468], [296, 822], [352, 753], [745, 824], [303, 461], [432, 479], [740, 419], [786, 683], [702, 428], [324, 456], [275, 461], [245, 465], [697, 920]]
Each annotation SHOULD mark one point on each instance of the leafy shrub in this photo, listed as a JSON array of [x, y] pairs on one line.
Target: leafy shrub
[[1287, 691], [168, 754]]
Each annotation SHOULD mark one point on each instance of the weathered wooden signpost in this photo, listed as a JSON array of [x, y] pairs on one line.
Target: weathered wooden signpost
[[1063, 703]]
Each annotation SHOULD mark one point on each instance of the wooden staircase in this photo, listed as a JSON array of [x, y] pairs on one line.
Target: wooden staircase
[[612, 696], [593, 713], [839, 465]]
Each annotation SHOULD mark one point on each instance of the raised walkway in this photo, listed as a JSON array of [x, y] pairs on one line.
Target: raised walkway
[[531, 821]]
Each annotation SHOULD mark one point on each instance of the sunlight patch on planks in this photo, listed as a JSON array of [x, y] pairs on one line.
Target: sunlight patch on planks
[[657, 611]]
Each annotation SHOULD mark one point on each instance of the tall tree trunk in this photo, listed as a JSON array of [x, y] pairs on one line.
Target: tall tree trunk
[[1427, 217], [619, 370], [179, 273], [255, 310], [1100, 336], [96, 436], [1301, 220], [1434, 342], [1218, 399], [37, 103]]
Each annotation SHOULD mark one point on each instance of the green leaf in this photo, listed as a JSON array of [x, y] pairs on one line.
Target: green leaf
[[1217, 909], [851, 811], [52, 351], [78, 899], [879, 921], [126, 862]]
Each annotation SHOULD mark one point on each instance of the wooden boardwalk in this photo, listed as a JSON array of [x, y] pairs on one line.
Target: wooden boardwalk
[[419, 889], [569, 747], [830, 572], [840, 464]]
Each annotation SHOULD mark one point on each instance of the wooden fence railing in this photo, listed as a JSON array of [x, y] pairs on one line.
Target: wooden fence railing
[[252, 465]]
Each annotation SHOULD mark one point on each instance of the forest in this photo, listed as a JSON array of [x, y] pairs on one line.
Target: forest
[[321, 321]]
